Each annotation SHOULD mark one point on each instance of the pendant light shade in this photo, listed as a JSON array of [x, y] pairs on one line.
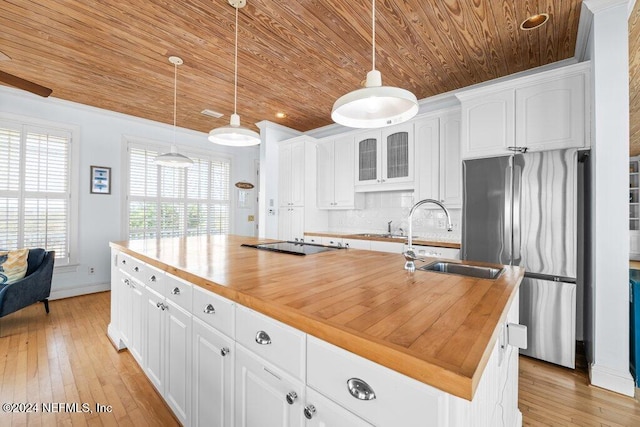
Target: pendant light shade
[[374, 105], [173, 158], [233, 134]]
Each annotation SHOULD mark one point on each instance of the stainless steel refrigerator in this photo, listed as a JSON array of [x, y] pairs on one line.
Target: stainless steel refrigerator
[[522, 210]]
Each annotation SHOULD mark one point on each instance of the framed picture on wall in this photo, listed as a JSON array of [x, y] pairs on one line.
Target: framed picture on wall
[[100, 180]]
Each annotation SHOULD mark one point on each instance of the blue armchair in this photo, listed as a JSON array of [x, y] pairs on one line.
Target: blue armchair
[[34, 287]]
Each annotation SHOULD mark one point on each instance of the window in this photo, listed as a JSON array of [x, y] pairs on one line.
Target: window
[[171, 202], [36, 204]]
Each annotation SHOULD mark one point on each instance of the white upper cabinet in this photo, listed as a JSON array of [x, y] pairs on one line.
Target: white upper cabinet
[[545, 111], [335, 175], [438, 163], [384, 159], [291, 173]]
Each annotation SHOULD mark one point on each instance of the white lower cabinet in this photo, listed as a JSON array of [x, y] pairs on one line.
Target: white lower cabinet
[[265, 395], [138, 306], [168, 353], [212, 377], [393, 247], [322, 412]]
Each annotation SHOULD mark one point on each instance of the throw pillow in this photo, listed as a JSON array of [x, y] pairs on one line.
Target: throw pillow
[[13, 265]]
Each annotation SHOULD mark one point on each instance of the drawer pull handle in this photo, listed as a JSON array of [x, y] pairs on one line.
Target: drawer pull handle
[[126, 282], [152, 278], [224, 351], [360, 389], [263, 338], [209, 309], [161, 306], [309, 411], [136, 269], [176, 291], [291, 397]]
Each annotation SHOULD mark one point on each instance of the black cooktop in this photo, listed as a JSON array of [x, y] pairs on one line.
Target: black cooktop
[[293, 248]]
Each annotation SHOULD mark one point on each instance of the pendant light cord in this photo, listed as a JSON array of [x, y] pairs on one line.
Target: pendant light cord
[[235, 72], [373, 44], [175, 99]]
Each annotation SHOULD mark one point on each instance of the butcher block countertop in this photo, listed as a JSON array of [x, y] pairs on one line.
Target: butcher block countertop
[[415, 241], [437, 328]]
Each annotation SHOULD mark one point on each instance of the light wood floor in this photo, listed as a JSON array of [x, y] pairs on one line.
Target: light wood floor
[[66, 357]]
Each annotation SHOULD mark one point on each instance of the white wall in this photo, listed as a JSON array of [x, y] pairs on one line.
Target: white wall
[[608, 51], [101, 136]]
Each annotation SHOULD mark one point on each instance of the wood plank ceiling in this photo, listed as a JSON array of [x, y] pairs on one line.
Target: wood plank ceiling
[[634, 81], [295, 57]]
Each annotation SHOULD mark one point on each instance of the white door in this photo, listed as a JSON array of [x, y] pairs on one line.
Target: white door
[[265, 395], [428, 158], [344, 176], [178, 361], [325, 174], [397, 157], [138, 306], [297, 174], [488, 124], [367, 158], [296, 218], [124, 308], [450, 161], [154, 345], [212, 378], [284, 175]]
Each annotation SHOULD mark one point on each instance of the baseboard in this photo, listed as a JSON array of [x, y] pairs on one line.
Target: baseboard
[[518, 418], [79, 290], [620, 382], [114, 337]]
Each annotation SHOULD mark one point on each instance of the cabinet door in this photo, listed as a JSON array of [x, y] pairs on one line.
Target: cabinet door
[[344, 176], [284, 175], [367, 161], [488, 124], [212, 379], [297, 178], [284, 223], [154, 345], [428, 158], [397, 154], [138, 307], [178, 361], [265, 396], [357, 244], [323, 412], [124, 308], [450, 161], [325, 174], [551, 115], [296, 218]]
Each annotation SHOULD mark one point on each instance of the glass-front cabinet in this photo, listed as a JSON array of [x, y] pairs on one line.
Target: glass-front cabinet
[[385, 158]]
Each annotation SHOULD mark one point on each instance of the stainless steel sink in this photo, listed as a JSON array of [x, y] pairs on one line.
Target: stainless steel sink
[[463, 269]]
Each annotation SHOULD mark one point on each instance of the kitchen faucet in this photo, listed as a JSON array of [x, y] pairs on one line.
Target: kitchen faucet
[[409, 254], [389, 227]]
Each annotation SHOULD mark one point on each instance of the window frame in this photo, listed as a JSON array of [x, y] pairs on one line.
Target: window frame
[[73, 175], [163, 147]]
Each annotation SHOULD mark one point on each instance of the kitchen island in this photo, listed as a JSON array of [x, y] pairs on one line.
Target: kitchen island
[[443, 332]]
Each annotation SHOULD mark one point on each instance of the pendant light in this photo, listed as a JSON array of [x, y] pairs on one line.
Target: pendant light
[[374, 105], [173, 158], [234, 134]]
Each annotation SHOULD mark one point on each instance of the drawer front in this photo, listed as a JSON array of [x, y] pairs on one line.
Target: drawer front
[[399, 400], [332, 241], [274, 341], [436, 251], [131, 266], [214, 310], [178, 291], [154, 279]]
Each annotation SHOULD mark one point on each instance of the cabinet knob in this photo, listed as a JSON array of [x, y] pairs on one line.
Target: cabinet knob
[[176, 291], [124, 261], [126, 282], [263, 338], [136, 269], [152, 278], [291, 397], [224, 351], [209, 309], [360, 389], [309, 411]]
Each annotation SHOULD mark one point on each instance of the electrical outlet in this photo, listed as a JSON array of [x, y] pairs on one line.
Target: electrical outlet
[[92, 270], [251, 218]]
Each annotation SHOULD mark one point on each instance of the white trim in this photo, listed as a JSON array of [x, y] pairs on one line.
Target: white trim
[[114, 337], [632, 4], [596, 6], [584, 30], [79, 290], [610, 379]]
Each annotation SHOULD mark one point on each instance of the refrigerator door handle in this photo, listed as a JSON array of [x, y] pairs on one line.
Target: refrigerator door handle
[[517, 193], [507, 235]]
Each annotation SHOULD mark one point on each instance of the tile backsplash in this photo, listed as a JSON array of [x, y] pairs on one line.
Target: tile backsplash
[[429, 221]]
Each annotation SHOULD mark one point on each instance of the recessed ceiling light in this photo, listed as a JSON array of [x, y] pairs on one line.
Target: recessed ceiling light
[[281, 115], [534, 21]]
